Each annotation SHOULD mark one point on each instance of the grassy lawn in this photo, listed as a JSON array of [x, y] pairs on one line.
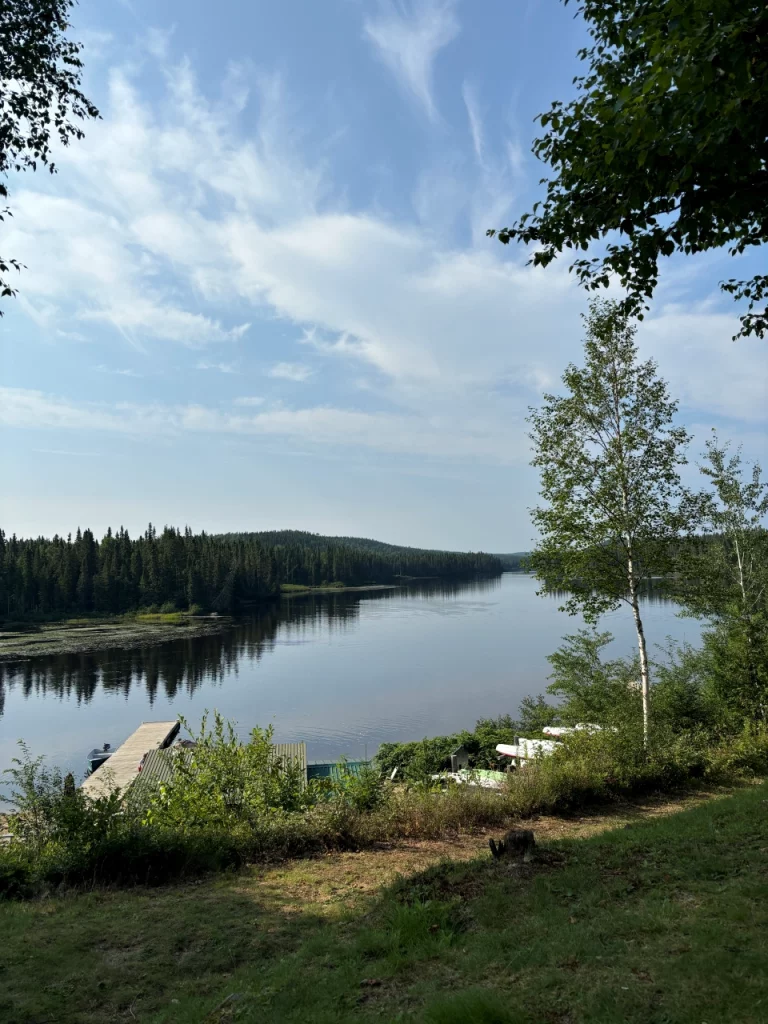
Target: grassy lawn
[[661, 922]]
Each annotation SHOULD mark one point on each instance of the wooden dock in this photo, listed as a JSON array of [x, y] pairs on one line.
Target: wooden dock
[[122, 767]]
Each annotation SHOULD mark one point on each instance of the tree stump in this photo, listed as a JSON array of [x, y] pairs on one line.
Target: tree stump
[[518, 844]]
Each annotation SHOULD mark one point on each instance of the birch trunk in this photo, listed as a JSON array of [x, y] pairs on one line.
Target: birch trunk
[[645, 682]]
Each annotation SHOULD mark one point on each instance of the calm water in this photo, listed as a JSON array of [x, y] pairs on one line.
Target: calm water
[[344, 672]]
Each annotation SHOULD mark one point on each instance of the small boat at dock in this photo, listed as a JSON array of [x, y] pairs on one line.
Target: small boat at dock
[[98, 756]]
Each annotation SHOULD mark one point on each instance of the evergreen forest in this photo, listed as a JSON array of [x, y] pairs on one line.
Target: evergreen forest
[[176, 569]]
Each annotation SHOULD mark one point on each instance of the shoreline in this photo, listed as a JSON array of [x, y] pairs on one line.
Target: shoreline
[[297, 590], [86, 636], [22, 641]]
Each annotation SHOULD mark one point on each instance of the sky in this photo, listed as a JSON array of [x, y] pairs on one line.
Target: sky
[[259, 293]]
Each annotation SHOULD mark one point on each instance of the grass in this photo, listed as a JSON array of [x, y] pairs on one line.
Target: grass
[[662, 922]]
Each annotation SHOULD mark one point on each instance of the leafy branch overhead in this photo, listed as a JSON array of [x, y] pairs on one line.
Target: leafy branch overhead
[[664, 150], [40, 95]]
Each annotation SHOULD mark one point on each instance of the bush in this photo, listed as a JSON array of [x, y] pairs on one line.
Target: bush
[[419, 760], [230, 803], [221, 783], [363, 789], [741, 756]]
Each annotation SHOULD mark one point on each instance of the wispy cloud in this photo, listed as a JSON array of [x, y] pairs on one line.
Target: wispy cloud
[[249, 401], [219, 367], [59, 451], [408, 37], [114, 371], [469, 94], [291, 371], [169, 217], [318, 425]]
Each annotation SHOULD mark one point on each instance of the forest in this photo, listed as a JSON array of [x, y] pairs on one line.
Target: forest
[[176, 569]]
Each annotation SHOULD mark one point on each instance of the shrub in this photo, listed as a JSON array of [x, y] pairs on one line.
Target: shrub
[[223, 783], [741, 756], [420, 759], [363, 789], [230, 803], [591, 689]]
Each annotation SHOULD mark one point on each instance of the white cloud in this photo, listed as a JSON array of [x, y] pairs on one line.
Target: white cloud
[[291, 371], [76, 251], [705, 369], [167, 216], [249, 400], [220, 367], [318, 425], [408, 37], [59, 451], [96, 44], [158, 42], [469, 93], [117, 372]]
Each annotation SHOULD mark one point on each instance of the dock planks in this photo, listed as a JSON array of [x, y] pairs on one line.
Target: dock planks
[[122, 768]]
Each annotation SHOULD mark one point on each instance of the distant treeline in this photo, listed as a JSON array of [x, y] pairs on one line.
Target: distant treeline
[[514, 562], [178, 569]]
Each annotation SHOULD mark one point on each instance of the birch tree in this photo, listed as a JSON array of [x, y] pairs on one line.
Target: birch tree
[[727, 580], [608, 453]]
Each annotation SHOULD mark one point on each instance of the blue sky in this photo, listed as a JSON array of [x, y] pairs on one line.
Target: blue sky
[[259, 293]]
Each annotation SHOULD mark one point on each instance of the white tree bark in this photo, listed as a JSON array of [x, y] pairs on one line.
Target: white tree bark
[[645, 680]]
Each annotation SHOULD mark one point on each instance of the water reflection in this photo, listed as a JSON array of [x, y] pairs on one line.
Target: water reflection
[[182, 666]]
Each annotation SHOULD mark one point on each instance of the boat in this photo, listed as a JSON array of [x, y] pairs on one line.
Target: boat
[[97, 757]]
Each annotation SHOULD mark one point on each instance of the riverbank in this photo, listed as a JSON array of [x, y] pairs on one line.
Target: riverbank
[[84, 636], [636, 900]]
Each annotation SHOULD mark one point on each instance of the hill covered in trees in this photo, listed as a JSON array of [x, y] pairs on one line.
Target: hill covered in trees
[[179, 569], [513, 562]]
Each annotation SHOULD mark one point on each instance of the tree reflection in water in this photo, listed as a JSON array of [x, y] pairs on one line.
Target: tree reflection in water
[[182, 666]]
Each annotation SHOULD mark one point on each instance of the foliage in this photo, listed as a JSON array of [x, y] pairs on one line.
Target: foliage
[[643, 157], [40, 73], [417, 761], [362, 789], [174, 569], [608, 454], [681, 696], [241, 806], [535, 714], [591, 689], [220, 783], [727, 583], [52, 822]]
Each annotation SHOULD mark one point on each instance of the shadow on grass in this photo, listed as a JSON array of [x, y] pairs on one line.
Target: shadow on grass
[[142, 954], [661, 921]]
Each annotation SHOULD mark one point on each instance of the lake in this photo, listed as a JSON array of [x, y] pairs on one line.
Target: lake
[[344, 672]]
